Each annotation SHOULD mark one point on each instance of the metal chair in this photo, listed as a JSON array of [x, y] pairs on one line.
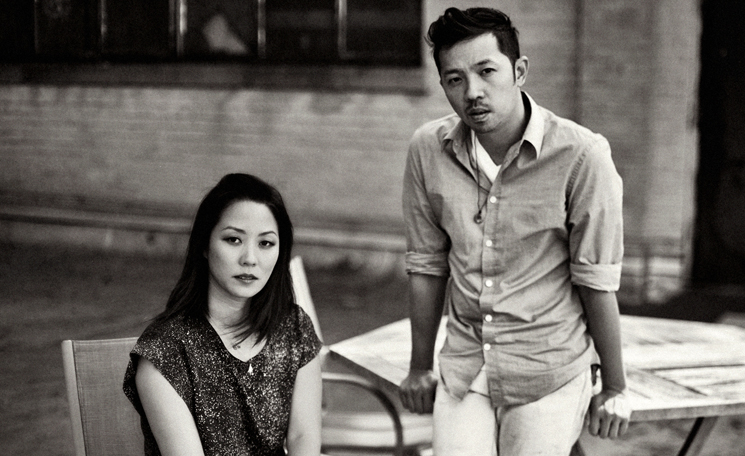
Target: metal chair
[[364, 431]]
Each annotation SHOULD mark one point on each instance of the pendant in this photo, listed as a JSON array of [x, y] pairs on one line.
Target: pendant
[[250, 368], [477, 218]]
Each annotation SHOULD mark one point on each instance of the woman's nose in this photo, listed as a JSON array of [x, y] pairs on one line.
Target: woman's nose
[[249, 256]]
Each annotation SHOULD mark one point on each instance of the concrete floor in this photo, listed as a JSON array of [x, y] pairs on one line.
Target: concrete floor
[[48, 294]]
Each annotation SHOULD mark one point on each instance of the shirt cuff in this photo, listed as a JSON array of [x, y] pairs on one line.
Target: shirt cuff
[[601, 277], [427, 263]]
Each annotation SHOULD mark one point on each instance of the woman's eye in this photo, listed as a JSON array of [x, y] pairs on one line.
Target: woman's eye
[[266, 243], [232, 240]]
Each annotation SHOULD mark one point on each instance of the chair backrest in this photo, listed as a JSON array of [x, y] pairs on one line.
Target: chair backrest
[[103, 420], [302, 292]]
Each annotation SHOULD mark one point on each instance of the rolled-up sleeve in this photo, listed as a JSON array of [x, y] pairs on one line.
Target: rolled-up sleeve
[[595, 201], [427, 244]]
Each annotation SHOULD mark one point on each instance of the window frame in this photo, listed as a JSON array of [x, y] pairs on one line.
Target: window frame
[[259, 73]]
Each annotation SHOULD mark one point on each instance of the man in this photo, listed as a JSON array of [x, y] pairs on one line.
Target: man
[[513, 219]]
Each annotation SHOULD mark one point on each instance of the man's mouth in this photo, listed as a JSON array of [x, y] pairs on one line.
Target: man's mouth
[[477, 113]]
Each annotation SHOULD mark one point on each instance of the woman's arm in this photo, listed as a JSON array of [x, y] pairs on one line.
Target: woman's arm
[[304, 433], [169, 417]]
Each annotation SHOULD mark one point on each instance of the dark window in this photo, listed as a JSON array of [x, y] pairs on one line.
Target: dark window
[[381, 32], [136, 28]]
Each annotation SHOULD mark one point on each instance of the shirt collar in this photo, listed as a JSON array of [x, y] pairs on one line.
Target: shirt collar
[[535, 129], [457, 140]]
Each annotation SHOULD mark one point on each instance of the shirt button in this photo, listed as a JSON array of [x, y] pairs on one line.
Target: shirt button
[[488, 318], [489, 243], [489, 283], [492, 199], [487, 347]]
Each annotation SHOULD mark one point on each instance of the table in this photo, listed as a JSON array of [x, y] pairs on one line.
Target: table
[[676, 369]]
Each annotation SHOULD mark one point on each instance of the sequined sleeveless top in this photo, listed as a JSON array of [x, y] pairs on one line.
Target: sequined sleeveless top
[[240, 408]]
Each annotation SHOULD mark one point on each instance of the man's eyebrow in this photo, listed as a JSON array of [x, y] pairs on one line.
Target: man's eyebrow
[[484, 62], [477, 64]]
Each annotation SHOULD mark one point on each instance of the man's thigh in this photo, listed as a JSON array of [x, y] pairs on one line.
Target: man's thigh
[[548, 426], [463, 428]]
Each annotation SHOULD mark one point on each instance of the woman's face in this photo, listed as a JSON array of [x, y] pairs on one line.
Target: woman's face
[[243, 249]]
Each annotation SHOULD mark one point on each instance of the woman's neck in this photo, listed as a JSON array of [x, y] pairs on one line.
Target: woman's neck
[[225, 315]]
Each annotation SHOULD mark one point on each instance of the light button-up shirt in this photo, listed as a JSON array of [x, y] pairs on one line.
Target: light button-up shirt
[[553, 220]]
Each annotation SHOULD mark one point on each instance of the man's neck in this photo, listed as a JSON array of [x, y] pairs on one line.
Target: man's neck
[[498, 142]]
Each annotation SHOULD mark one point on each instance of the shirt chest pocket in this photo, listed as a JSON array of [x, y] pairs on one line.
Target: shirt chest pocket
[[530, 216]]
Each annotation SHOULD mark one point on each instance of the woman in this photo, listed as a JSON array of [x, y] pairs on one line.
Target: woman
[[230, 367]]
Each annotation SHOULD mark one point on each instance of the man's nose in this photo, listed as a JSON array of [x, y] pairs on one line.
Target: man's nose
[[474, 89]]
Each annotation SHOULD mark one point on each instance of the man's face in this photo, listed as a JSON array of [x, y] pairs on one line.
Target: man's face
[[481, 84]]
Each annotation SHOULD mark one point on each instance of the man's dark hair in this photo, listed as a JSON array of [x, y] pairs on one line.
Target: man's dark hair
[[457, 25]]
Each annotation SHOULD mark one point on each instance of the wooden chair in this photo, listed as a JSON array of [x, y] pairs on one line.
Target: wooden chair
[[365, 431], [105, 423]]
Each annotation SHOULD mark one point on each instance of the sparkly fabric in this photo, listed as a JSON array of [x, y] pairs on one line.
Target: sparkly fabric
[[240, 408]]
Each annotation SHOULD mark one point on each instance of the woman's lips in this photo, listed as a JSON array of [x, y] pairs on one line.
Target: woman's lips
[[246, 277]]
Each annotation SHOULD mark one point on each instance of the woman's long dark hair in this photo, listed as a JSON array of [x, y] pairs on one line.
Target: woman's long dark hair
[[270, 305]]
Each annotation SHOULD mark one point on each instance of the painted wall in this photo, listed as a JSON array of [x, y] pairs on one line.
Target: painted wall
[[624, 68]]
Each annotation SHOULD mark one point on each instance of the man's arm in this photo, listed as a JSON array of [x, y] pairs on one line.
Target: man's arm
[[427, 297], [609, 410]]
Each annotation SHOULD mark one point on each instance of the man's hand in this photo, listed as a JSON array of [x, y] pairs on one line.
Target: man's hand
[[417, 391], [609, 414]]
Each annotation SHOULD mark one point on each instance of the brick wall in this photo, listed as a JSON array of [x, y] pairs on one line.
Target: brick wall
[[624, 68]]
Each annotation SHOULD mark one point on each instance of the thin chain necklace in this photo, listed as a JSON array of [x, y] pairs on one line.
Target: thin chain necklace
[[479, 205]]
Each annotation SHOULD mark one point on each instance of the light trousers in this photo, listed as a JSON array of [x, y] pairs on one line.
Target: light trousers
[[472, 427]]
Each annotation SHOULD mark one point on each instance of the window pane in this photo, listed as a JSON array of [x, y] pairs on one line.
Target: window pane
[[301, 31], [220, 28], [66, 28], [16, 30], [384, 31], [137, 28]]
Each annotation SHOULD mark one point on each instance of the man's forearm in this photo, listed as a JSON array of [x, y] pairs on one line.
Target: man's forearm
[[603, 322], [426, 301]]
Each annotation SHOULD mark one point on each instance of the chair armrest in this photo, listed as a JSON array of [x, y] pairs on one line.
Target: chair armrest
[[385, 401]]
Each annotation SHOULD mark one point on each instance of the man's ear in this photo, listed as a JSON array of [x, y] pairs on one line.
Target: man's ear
[[521, 70]]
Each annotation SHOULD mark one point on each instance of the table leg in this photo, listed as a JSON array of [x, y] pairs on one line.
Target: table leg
[[700, 431]]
